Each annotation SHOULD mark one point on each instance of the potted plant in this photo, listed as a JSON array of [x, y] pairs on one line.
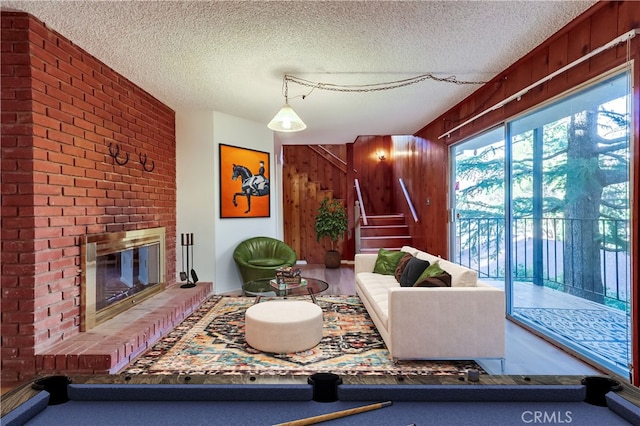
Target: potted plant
[[331, 222]]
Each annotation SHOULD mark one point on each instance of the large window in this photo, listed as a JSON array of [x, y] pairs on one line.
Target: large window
[[562, 200]]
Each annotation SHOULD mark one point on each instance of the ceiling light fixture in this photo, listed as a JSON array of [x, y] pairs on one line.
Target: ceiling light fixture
[[286, 120]]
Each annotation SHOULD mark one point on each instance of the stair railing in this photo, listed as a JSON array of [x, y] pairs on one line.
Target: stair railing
[[363, 214], [330, 157], [357, 231], [359, 214], [408, 198]]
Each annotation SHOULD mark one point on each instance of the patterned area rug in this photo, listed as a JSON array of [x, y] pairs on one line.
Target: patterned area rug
[[601, 331], [211, 341]]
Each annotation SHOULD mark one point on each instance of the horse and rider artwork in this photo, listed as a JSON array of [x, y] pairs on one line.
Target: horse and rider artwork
[[244, 182]]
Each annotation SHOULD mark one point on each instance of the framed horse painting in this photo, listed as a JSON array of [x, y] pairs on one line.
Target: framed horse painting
[[244, 182]]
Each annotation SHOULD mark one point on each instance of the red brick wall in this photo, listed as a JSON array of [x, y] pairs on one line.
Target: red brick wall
[[61, 109]]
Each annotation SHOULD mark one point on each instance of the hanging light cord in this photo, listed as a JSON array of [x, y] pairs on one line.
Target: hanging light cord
[[285, 89], [373, 87]]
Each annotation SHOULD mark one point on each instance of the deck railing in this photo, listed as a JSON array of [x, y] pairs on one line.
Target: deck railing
[[539, 258]]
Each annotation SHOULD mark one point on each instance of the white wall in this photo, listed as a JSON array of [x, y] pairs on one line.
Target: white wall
[[195, 202], [198, 134]]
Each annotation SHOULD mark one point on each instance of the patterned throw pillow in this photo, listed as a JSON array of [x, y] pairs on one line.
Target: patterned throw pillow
[[387, 261], [402, 264], [415, 267]]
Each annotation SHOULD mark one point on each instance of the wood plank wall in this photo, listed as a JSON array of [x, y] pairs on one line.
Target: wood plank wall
[[374, 175], [422, 165], [308, 178], [318, 168]]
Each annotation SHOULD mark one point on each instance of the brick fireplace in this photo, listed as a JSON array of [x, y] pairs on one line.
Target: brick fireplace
[[62, 111]]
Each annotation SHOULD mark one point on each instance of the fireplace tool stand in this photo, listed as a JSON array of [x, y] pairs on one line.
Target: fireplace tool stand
[[186, 241]]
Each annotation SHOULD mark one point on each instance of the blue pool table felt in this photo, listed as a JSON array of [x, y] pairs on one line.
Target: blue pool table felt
[[124, 404]]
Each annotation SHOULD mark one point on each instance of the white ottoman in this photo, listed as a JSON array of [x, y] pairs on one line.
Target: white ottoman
[[283, 326]]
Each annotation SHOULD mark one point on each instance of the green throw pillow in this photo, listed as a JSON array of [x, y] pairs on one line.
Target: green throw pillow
[[387, 261], [433, 270]]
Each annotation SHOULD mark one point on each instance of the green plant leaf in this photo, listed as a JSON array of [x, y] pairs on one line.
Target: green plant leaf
[[331, 220]]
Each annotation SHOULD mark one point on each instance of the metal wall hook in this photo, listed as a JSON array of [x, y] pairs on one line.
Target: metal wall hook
[[115, 152], [143, 161]]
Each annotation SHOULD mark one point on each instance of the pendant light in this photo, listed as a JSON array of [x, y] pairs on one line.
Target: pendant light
[[286, 120]]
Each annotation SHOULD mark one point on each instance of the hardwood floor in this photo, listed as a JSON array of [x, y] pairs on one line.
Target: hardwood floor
[[527, 354]]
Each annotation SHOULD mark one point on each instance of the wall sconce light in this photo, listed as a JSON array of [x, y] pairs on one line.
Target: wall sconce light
[[381, 155], [286, 120]]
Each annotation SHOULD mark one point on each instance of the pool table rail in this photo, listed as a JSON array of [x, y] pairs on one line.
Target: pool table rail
[[354, 388]]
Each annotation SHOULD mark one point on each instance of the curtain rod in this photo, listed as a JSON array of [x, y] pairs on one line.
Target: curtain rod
[[624, 37]]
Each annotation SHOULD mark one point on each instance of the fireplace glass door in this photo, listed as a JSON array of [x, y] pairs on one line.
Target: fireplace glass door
[[125, 273], [120, 270]]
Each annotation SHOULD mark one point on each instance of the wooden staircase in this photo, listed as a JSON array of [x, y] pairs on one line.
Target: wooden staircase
[[387, 231]]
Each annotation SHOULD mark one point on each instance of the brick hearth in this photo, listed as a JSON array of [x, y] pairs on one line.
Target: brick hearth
[[110, 346]]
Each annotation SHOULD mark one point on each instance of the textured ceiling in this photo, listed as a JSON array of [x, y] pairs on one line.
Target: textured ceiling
[[230, 56]]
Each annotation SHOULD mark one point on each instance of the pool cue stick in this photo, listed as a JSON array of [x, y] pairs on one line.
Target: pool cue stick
[[335, 415]]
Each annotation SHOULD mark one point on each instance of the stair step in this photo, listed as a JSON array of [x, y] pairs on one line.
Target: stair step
[[385, 241], [386, 219], [388, 231], [380, 230]]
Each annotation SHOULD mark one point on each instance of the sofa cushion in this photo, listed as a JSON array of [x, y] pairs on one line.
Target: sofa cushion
[[401, 265], [387, 261], [412, 250], [426, 256], [412, 271], [267, 261], [460, 276], [375, 288]]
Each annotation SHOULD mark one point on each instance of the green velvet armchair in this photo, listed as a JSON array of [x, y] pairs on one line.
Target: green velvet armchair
[[259, 257]]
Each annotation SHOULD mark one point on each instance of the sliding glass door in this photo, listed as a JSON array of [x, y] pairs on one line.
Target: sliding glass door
[[566, 213], [478, 217], [570, 228]]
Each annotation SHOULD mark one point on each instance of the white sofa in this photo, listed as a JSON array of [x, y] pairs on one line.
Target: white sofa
[[465, 321]]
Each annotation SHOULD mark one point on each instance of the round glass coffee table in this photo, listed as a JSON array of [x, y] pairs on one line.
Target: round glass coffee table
[[263, 288]]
